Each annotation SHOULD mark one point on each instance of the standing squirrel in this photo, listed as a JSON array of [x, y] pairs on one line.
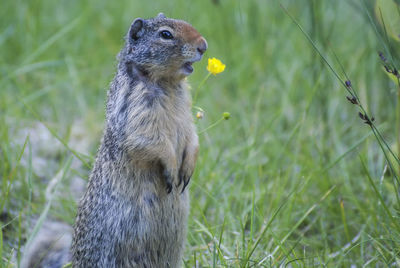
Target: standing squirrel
[[135, 208], [134, 212]]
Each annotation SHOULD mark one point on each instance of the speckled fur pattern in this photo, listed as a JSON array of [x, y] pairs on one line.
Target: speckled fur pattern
[[134, 212]]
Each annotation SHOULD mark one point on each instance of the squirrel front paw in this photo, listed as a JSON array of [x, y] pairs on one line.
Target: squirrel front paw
[[185, 173], [169, 178], [184, 178], [187, 168]]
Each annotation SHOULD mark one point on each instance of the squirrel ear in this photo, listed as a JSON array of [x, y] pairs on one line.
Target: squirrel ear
[[134, 31], [161, 16]]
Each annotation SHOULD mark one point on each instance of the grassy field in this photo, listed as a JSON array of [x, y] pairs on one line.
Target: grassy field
[[294, 177]]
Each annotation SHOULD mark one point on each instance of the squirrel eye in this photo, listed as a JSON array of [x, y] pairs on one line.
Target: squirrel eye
[[166, 34]]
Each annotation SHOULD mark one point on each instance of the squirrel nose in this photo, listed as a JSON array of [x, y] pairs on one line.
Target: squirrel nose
[[202, 47]]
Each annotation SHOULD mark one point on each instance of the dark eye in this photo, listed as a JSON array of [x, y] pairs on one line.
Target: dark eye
[[166, 34]]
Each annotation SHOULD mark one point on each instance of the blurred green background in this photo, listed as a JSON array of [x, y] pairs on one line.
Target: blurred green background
[[281, 182]]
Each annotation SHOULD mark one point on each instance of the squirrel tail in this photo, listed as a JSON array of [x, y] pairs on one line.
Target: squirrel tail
[[50, 248]]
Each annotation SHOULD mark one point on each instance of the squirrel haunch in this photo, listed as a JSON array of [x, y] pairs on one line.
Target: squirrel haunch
[[135, 209]]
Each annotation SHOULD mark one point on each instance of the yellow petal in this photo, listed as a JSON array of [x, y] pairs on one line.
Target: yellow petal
[[215, 66]]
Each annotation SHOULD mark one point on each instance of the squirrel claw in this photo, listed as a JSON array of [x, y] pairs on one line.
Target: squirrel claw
[[185, 179], [180, 181], [169, 187], [168, 179], [185, 183]]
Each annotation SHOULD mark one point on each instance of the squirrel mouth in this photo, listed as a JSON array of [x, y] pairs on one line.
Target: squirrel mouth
[[187, 67]]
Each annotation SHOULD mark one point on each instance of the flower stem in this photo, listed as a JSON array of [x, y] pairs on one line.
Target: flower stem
[[199, 86], [212, 125], [398, 119]]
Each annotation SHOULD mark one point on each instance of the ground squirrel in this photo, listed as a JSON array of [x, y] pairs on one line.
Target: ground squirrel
[[134, 212]]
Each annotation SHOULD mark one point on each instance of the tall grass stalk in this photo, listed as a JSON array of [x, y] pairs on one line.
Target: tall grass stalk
[[354, 99]]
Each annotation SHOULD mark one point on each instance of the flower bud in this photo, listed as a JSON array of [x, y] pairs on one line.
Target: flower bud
[[226, 115]]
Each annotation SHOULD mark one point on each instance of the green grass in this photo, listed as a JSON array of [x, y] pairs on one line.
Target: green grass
[[293, 177]]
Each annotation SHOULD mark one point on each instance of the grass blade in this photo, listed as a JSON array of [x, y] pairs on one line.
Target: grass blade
[[308, 212], [54, 38], [378, 194], [59, 177]]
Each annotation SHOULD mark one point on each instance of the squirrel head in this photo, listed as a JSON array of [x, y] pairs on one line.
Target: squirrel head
[[163, 48]]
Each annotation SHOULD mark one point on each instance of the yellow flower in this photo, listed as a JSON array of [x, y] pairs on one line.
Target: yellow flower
[[215, 66]]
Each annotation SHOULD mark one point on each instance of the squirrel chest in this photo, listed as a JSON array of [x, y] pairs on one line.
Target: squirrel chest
[[149, 114]]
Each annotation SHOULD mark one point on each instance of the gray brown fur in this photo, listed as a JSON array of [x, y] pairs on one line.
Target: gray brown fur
[[135, 209]]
